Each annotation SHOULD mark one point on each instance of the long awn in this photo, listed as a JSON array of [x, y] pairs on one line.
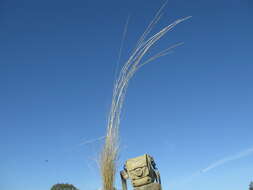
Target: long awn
[[110, 151]]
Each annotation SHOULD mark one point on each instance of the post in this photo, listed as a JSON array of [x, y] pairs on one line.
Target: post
[[151, 186]]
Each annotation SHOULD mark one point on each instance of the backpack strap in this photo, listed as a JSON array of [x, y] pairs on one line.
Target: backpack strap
[[158, 177], [123, 180]]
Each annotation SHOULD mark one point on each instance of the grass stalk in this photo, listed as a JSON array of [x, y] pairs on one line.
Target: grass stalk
[[110, 151]]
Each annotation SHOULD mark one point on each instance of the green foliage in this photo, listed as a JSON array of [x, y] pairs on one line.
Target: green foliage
[[62, 186], [251, 186]]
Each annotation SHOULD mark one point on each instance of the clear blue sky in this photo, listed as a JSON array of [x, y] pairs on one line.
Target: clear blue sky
[[188, 109]]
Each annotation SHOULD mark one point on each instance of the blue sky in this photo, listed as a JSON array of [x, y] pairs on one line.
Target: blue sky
[[189, 109]]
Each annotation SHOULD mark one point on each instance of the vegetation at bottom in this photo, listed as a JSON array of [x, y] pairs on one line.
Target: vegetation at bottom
[[63, 186]]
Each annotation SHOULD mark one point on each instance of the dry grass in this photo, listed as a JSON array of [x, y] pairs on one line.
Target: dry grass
[[109, 153]]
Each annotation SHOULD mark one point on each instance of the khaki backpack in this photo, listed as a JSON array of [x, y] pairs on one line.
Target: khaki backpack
[[141, 170]]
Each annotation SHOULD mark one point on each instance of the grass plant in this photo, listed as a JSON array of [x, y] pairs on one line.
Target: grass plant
[[110, 150]]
